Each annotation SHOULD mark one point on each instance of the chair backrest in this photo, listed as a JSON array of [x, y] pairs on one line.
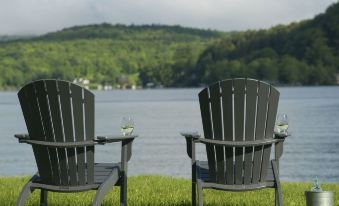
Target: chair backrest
[[60, 111], [238, 110]]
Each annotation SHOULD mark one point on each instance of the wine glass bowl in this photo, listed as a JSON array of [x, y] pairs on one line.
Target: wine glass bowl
[[281, 124], [127, 126]]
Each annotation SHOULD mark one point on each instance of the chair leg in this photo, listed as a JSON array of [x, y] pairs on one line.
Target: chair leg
[[200, 193], [123, 191], [278, 197], [25, 192], [194, 194], [105, 187], [278, 191], [43, 197]]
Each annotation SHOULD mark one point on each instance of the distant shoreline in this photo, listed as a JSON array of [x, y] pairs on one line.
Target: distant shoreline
[[160, 88]]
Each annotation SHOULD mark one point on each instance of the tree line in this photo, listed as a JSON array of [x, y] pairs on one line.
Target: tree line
[[303, 53]]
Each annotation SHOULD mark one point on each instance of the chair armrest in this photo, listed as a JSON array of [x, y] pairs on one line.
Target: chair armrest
[[281, 136], [61, 144], [22, 137], [111, 139], [238, 143], [190, 136]]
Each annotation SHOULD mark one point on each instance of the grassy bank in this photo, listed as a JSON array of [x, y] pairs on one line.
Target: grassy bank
[[156, 190]]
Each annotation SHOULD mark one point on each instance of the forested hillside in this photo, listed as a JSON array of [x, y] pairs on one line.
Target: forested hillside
[[106, 54], [299, 53], [304, 53]]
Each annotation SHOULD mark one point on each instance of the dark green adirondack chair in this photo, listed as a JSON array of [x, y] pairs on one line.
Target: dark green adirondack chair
[[59, 116], [238, 117]]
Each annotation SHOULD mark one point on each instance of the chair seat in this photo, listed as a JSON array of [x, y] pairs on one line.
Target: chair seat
[[203, 174], [102, 171]]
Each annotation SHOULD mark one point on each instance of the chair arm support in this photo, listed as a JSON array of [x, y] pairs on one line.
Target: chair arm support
[[279, 146], [126, 146], [278, 151], [238, 144], [190, 136]]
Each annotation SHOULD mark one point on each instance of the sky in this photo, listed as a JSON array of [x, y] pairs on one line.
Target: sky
[[18, 17]]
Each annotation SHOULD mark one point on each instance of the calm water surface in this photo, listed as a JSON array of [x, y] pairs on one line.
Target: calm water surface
[[160, 115]]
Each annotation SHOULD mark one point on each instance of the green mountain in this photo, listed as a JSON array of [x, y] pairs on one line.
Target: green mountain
[[300, 53], [173, 56], [132, 32], [116, 55]]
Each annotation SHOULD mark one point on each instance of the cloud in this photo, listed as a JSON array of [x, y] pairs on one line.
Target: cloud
[[40, 16]]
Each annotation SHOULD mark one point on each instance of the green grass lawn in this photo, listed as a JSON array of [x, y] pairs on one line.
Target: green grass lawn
[[157, 190]]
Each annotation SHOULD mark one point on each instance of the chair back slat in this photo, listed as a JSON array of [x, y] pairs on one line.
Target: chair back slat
[[77, 104], [251, 109], [207, 126], [272, 112], [263, 92], [227, 103], [31, 110], [217, 131], [67, 117], [239, 104], [89, 133], [54, 112], [48, 127], [238, 110], [271, 115], [54, 104]]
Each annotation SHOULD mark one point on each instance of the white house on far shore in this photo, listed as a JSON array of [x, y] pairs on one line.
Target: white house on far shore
[[83, 82]]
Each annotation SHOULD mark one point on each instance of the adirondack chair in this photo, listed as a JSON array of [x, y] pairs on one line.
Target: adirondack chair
[[238, 117], [59, 116]]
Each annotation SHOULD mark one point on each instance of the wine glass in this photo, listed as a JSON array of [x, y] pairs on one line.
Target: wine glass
[[127, 126], [281, 124]]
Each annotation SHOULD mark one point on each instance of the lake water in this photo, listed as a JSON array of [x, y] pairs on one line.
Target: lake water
[[160, 115]]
